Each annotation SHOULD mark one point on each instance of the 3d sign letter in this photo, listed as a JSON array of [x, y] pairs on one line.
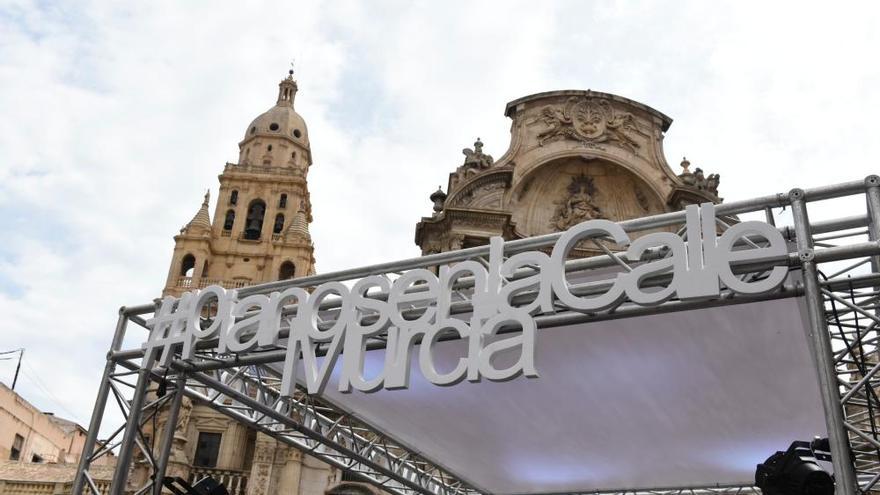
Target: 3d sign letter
[[417, 310]]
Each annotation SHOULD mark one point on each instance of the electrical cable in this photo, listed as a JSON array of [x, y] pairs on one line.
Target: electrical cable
[[32, 376]]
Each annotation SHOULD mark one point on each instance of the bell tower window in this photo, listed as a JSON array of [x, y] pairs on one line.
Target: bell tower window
[[233, 197], [279, 224], [229, 221], [287, 271], [282, 201], [187, 265], [254, 221]]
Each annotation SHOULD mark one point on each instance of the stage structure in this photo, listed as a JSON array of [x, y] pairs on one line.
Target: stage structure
[[810, 288]]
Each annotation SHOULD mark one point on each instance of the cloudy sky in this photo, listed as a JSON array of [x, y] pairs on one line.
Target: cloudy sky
[[117, 116]]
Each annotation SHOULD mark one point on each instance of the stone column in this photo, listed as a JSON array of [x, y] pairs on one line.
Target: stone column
[[260, 480], [291, 470]]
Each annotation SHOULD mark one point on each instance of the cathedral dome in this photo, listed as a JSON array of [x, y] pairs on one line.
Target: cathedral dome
[[281, 120]]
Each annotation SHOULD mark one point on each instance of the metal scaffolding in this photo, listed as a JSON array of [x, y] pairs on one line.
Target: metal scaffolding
[[835, 267]]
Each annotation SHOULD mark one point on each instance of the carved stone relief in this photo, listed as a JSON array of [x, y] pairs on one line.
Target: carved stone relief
[[591, 121], [641, 198], [571, 190], [183, 416], [485, 195], [579, 205], [261, 469]]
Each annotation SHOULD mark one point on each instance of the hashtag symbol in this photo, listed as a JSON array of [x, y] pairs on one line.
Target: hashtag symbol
[[167, 329]]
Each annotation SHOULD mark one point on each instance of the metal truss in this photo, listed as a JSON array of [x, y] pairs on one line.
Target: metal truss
[[834, 267]]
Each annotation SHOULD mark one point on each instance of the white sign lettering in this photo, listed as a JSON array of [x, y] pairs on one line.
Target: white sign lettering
[[375, 305]]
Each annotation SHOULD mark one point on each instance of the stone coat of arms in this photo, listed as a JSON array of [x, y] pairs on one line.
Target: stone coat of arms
[[591, 121]]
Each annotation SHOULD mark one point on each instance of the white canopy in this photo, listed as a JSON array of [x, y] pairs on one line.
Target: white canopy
[[692, 398]]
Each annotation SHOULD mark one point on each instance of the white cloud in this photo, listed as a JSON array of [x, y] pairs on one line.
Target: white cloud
[[117, 117]]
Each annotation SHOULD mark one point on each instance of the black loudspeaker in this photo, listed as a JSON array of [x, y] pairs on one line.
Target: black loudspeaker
[[205, 486], [209, 486], [794, 472]]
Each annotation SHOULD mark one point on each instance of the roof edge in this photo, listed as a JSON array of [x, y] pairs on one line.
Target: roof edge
[[511, 106]]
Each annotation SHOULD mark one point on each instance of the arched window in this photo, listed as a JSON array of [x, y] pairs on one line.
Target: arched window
[[282, 201], [254, 221], [287, 271], [233, 197], [230, 220], [279, 224], [187, 265]]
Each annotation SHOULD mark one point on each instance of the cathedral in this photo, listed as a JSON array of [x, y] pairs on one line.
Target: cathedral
[[573, 156]]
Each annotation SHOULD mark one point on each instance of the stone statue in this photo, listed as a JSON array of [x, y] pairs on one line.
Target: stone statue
[[475, 158], [697, 179], [475, 161], [183, 417], [712, 183], [578, 207]]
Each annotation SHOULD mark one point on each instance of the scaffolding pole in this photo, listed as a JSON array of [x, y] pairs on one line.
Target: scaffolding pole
[[100, 404], [820, 345], [168, 435]]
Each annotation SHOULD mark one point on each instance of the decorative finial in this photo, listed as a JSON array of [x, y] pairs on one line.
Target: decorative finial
[[478, 145], [292, 62], [207, 197], [438, 197], [685, 164]]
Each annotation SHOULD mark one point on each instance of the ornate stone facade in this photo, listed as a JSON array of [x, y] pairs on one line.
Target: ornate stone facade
[[573, 156]]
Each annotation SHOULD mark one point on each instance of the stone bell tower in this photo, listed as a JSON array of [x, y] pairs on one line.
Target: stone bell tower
[[260, 231]]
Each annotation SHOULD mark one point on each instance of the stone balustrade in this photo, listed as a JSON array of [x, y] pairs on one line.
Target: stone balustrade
[[234, 481], [20, 487], [190, 283], [261, 169]]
